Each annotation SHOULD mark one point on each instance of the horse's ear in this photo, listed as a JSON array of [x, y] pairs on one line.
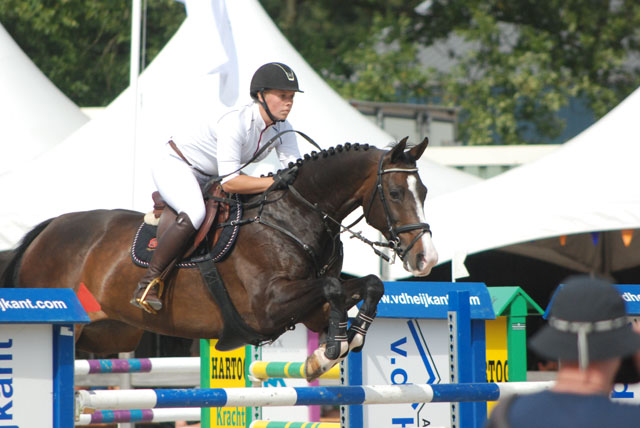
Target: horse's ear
[[398, 150], [417, 151]]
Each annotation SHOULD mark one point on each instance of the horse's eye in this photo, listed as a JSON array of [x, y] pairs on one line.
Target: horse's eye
[[396, 194]]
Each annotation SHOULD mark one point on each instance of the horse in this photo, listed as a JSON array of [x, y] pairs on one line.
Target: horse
[[5, 258], [284, 268]]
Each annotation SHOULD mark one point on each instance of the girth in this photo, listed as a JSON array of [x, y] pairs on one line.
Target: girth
[[235, 331]]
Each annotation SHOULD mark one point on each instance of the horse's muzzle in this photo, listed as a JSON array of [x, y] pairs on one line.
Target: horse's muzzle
[[421, 257]]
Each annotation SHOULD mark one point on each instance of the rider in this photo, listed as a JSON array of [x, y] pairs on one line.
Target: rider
[[220, 147]]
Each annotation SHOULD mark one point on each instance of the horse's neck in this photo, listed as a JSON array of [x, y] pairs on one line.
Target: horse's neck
[[335, 184]]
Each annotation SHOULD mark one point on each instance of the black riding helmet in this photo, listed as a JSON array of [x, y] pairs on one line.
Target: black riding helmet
[[273, 75]]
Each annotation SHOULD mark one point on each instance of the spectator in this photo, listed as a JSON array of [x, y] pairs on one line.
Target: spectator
[[588, 332]]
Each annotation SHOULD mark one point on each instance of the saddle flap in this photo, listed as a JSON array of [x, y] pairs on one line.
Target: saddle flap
[[213, 209]]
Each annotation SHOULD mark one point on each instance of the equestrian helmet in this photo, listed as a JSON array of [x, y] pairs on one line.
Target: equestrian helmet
[[273, 75]]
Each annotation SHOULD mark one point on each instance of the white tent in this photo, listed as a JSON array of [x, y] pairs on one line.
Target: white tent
[[588, 185], [35, 114], [105, 164]]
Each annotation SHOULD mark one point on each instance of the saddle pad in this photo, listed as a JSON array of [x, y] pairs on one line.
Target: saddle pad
[[145, 242]]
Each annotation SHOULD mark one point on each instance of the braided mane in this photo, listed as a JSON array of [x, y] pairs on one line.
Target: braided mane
[[325, 153], [330, 152]]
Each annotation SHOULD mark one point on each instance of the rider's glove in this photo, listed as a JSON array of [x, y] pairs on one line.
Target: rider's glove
[[284, 178]]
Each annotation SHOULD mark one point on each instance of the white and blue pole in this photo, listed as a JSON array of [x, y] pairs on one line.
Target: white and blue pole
[[300, 396]]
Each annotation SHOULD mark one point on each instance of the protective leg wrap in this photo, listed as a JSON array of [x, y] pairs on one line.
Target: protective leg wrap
[[358, 331], [337, 345]]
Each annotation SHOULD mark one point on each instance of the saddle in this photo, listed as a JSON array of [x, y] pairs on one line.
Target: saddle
[[217, 212], [236, 331]]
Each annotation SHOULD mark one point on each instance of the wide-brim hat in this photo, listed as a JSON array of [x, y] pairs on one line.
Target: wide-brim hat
[[587, 322]]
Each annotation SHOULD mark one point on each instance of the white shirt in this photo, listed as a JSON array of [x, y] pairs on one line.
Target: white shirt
[[220, 147]]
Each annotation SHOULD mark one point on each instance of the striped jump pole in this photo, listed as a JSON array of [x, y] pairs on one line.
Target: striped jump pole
[[147, 415], [274, 424], [168, 365], [264, 370], [299, 396]]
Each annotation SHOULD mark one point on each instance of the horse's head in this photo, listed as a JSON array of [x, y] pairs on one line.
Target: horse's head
[[395, 208]]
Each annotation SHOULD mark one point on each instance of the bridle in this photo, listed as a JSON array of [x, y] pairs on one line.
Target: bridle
[[394, 232]]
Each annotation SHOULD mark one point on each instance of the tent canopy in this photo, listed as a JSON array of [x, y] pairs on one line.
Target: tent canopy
[[588, 185], [35, 114]]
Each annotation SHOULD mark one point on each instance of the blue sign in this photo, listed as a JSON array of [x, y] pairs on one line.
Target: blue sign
[[40, 306], [630, 294], [430, 300]]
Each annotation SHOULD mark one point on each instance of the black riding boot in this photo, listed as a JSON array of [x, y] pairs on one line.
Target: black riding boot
[[171, 245]]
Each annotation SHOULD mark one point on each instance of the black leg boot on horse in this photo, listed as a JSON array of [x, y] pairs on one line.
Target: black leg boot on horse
[[171, 246]]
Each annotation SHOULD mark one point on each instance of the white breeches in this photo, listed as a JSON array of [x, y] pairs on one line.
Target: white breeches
[[178, 186]]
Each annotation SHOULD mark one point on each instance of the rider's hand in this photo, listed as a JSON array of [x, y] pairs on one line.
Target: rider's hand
[[284, 178]]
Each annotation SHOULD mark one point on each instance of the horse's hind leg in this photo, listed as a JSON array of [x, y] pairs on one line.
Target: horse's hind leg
[[108, 337], [370, 289]]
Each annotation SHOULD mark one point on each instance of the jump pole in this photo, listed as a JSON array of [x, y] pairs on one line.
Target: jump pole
[[274, 424], [147, 415], [166, 365], [263, 370], [300, 396]]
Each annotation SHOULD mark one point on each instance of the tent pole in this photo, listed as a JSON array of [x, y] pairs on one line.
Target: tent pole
[[134, 72]]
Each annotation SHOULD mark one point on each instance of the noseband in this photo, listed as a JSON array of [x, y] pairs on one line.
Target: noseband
[[394, 232]]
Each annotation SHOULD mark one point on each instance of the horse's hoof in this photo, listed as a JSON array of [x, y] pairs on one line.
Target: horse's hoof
[[316, 365]]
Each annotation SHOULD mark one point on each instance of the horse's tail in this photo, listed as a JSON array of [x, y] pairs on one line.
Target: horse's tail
[[9, 276]]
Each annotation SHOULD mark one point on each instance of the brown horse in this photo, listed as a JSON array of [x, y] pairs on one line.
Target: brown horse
[[283, 270]]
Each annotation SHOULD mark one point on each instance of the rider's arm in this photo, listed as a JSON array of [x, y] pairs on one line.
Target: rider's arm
[[244, 184]]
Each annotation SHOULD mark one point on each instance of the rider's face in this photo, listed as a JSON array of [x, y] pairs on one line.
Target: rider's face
[[280, 102]]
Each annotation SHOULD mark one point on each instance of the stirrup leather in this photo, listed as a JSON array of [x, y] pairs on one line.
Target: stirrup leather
[[142, 299]]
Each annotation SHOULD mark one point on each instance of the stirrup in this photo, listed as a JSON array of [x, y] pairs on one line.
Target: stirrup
[[142, 302]]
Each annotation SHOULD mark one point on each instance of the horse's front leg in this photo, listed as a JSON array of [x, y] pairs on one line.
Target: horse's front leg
[[336, 346], [370, 289]]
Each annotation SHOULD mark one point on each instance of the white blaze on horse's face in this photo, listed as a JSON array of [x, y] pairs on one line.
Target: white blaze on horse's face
[[427, 256]]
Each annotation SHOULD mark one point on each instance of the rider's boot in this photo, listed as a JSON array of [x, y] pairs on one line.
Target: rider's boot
[[171, 245]]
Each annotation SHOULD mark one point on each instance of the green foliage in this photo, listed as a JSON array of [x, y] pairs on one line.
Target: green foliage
[[528, 61], [384, 67], [516, 62], [83, 46], [329, 32]]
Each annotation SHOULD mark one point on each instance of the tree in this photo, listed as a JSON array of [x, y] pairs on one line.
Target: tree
[[516, 62], [83, 46], [358, 46]]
